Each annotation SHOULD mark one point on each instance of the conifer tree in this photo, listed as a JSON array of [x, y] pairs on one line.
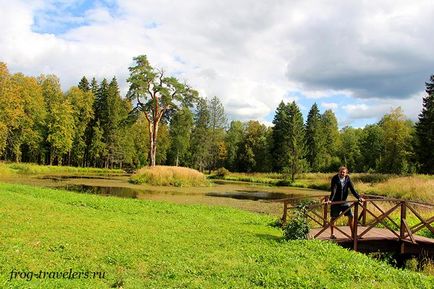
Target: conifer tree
[[425, 131], [82, 104], [84, 84], [314, 140], [296, 146], [280, 138], [156, 95]]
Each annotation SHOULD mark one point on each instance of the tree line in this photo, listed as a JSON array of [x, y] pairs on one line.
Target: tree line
[[91, 125]]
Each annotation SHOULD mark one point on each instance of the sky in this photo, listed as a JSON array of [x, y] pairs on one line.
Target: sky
[[358, 58]]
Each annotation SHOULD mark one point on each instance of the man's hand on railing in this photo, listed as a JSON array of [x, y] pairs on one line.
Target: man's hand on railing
[[361, 199]]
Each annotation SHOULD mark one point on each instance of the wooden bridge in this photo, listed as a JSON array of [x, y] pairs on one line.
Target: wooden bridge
[[374, 228]]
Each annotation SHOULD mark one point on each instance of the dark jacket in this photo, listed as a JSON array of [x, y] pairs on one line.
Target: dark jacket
[[339, 193]]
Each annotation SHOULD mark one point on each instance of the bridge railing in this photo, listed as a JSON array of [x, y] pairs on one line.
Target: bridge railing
[[367, 215]]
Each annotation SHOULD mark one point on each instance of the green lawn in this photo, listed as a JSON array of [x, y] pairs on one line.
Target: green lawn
[[145, 244]]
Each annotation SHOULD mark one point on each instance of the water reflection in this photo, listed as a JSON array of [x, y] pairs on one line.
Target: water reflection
[[254, 196], [103, 190]]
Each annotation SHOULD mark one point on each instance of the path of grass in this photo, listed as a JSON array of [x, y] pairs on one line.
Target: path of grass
[[146, 244]]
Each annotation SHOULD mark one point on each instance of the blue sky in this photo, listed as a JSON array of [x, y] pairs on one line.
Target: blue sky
[[361, 59]]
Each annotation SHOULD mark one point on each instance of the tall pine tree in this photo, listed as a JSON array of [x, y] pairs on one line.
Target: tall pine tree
[[279, 136], [425, 131], [296, 140], [314, 140]]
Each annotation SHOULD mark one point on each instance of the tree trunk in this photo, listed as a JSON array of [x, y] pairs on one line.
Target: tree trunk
[[153, 131], [151, 148]]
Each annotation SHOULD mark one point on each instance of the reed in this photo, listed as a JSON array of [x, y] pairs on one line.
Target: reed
[[169, 176], [416, 187]]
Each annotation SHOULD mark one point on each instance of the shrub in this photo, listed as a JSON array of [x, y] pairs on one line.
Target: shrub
[[222, 172], [297, 228]]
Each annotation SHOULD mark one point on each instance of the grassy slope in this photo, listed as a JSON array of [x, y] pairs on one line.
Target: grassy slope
[[28, 168], [144, 244]]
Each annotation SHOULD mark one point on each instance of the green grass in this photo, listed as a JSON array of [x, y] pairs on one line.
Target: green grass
[[28, 168], [145, 244]]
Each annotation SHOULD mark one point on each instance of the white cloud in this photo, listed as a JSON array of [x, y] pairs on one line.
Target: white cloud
[[330, 105], [377, 108], [248, 53]]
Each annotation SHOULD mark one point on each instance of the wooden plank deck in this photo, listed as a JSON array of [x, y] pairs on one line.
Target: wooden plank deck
[[371, 235]]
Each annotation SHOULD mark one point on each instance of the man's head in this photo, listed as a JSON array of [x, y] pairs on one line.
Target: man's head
[[343, 171]]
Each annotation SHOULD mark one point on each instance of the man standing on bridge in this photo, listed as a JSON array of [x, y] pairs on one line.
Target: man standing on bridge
[[340, 184]]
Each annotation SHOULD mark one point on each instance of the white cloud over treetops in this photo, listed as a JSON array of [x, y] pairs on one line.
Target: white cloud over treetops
[[251, 54]]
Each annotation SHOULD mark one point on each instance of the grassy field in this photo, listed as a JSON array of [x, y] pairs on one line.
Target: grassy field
[[148, 244]]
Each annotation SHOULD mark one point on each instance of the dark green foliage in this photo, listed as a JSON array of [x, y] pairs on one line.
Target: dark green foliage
[[84, 84], [371, 147], [280, 144], [253, 151], [180, 132], [425, 131], [233, 138], [287, 140], [296, 145], [315, 140], [298, 228], [349, 150], [200, 140]]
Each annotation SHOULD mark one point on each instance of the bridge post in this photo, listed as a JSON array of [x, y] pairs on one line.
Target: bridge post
[[403, 219], [365, 207], [324, 220], [355, 225], [285, 212]]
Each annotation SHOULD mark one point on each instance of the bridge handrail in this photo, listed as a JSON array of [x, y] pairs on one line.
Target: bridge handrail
[[405, 231], [367, 197]]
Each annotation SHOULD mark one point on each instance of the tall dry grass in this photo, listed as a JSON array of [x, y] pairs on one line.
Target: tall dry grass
[[417, 187], [169, 176]]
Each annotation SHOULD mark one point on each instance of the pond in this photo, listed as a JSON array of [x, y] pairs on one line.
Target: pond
[[246, 196]]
